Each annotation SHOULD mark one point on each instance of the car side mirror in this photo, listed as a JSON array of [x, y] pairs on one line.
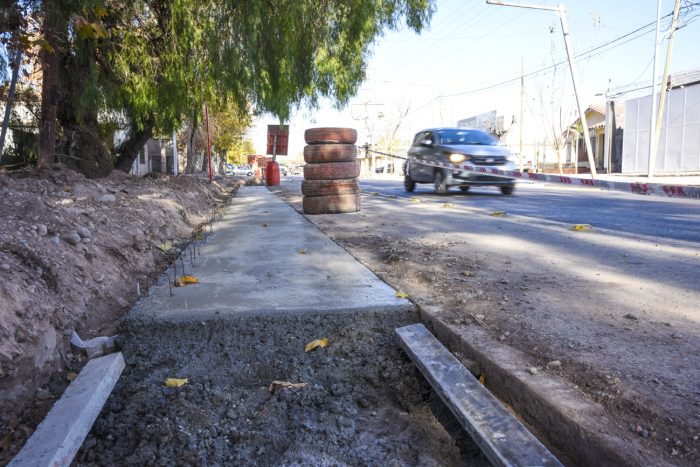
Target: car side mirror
[[427, 142]]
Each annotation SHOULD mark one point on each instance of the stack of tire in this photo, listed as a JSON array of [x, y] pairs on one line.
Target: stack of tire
[[330, 183]]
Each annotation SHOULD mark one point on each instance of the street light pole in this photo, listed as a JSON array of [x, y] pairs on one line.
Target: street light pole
[[561, 11]]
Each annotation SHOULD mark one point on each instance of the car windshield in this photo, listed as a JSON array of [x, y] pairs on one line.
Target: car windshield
[[461, 137]]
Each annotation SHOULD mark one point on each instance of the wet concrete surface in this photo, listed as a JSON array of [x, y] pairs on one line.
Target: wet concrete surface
[[264, 258], [364, 402]]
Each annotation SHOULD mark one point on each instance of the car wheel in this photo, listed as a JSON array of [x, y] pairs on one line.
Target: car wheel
[[440, 183], [464, 188], [409, 184], [507, 190], [250, 174]]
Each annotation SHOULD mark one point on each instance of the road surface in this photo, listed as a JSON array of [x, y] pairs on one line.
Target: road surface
[[669, 218]]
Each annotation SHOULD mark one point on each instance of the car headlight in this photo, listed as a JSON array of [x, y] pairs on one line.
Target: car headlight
[[457, 158]]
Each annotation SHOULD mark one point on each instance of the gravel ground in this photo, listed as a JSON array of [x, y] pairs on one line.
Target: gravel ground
[[364, 401]]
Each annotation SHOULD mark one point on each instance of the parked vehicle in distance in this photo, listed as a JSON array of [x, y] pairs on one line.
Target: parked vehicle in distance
[[295, 170], [283, 170], [456, 145], [243, 170]]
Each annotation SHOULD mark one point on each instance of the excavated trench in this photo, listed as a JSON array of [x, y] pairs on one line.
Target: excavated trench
[[364, 402]]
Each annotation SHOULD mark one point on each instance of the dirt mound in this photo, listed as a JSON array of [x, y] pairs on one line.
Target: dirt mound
[[71, 253]]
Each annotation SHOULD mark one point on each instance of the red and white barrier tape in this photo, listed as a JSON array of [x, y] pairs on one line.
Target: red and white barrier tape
[[651, 189]]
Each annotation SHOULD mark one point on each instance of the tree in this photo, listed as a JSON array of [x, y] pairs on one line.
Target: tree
[[152, 65]]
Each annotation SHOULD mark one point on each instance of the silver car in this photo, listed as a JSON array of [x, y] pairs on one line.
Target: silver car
[[434, 151]]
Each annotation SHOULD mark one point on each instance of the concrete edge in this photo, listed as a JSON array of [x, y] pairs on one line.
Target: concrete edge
[[562, 419], [59, 436], [503, 439]]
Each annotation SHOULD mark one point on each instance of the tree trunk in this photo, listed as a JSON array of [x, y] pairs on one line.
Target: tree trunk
[[49, 85], [128, 151], [559, 166], [10, 99], [205, 163], [222, 162], [85, 150], [191, 155]]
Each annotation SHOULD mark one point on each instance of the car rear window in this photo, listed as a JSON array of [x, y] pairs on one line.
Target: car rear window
[[460, 137]]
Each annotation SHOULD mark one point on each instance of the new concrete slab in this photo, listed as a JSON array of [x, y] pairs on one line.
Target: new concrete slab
[[504, 440], [265, 258], [59, 436]]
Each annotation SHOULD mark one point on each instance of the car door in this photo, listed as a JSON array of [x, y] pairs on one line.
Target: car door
[[421, 149]]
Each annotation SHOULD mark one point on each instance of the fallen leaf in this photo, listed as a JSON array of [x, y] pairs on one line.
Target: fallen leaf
[[400, 294], [266, 225], [71, 375], [468, 273], [374, 193], [276, 385], [581, 227], [448, 205], [415, 200], [482, 378], [392, 196], [175, 382], [317, 343], [302, 252], [498, 213], [165, 246], [186, 280]]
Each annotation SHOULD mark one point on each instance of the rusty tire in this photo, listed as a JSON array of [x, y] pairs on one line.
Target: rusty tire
[[330, 187], [332, 171], [331, 204], [330, 135], [321, 153]]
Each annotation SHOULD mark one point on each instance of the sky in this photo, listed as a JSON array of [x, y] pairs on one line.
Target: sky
[[468, 61]]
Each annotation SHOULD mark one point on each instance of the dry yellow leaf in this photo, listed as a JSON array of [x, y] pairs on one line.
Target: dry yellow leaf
[[448, 205], [415, 200], [482, 378], [302, 252], [175, 382], [71, 375], [165, 246], [581, 227], [498, 213], [400, 294], [276, 385], [316, 343], [186, 280]]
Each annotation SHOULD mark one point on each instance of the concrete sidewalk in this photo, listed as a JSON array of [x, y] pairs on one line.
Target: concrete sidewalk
[[265, 258]]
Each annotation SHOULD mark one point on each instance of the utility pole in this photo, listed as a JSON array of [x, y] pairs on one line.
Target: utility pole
[[561, 11], [664, 86], [652, 123], [522, 112]]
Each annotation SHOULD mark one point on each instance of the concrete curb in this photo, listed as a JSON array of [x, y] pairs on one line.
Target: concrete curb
[[504, 440], [59, 436], [568, 424]]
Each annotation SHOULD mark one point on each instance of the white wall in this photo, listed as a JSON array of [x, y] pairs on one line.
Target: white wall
[[679, 139]]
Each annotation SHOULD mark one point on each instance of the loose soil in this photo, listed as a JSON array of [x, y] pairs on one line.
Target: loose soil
[[364, 402], [642, 366], [72, 251]]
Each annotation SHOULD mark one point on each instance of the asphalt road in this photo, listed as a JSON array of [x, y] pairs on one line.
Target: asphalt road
[[668, 218]]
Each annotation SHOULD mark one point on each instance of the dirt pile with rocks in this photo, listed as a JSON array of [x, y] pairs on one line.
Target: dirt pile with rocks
[[74, 254]]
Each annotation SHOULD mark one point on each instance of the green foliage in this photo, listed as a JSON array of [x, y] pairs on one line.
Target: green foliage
[[151, 64]]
